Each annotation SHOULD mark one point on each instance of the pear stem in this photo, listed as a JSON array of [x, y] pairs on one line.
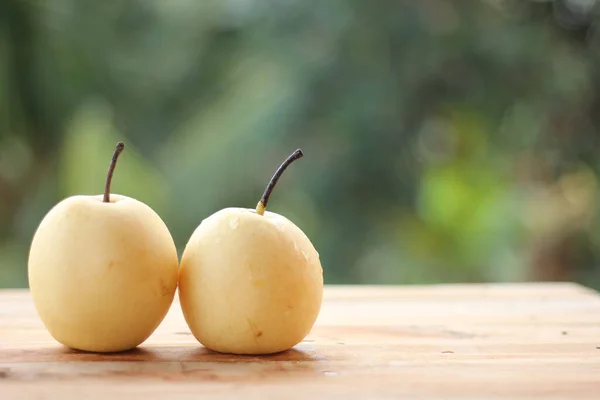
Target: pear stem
[[111, 169], [262, 204]]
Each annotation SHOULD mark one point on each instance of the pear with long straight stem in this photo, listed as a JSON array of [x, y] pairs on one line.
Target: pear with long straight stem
[[102, 270]]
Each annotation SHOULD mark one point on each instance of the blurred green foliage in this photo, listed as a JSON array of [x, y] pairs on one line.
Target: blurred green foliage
[[444, 140]]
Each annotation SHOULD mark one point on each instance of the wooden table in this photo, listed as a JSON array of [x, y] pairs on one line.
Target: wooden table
[[452, 341]]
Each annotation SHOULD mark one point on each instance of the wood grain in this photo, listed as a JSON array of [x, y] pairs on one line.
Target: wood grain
[[447, 341]]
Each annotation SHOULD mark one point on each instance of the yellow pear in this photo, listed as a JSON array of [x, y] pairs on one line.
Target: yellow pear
[[102, 270], [250, 281]]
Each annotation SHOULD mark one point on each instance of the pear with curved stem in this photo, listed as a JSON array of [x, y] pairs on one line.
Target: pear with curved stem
[[102, 270], [250, 280]]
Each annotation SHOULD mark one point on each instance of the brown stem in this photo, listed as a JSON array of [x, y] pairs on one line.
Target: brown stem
[[111, 169], [262, 204]]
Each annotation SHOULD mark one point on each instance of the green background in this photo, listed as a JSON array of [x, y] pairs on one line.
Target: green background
[[444, 141]]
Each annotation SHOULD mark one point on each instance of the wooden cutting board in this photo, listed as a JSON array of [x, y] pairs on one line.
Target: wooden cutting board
[[451, 341]]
